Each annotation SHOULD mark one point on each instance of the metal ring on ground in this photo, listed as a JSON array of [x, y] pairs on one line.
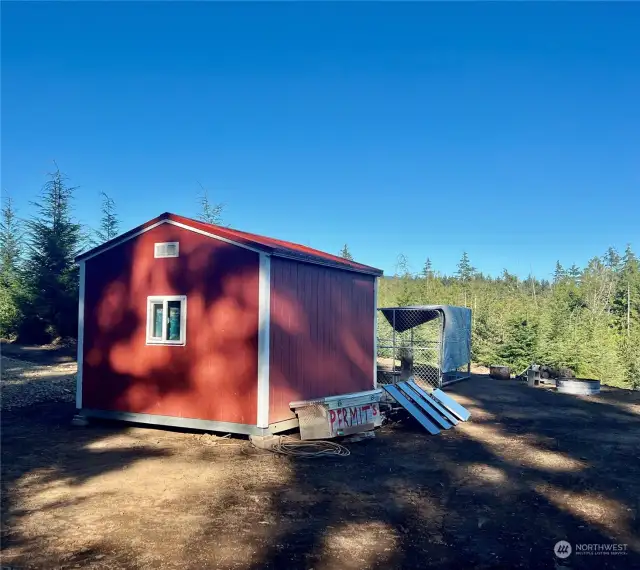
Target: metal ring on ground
[[578, 386]]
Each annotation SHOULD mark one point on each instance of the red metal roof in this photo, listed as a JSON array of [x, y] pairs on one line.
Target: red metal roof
[[273, 246]]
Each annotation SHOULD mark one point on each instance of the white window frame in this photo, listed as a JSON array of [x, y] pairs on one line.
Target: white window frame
[[164, 299]]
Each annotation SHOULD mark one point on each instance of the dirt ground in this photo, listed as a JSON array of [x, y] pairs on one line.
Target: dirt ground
[[532, 467], [40, 354]]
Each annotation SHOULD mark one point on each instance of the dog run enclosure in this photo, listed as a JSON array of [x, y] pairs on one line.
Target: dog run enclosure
[[431, 343]]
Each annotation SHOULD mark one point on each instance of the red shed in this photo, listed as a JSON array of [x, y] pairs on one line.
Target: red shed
[[189, 324]]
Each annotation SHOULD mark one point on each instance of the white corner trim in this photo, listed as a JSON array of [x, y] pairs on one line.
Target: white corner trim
[[80, 357], [375, 332], [208, 234], [264, 331]]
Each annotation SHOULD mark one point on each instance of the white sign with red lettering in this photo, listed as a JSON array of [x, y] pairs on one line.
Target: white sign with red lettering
[[353, 416]]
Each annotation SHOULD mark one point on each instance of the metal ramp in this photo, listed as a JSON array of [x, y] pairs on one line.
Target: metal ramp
[[449, 403], [434, 411], [441, 409]]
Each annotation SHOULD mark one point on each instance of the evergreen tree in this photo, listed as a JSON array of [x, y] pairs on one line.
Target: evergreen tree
[[344, 252], [10, 243], [612, 259], [109, 223], [509, 279], [209, 213], [407, 292], [629, 260], [465, 270], [10, 275], [402, 266], [520, 347], [574, 272], [427, 270], [544, 284], [630, 356], [589, 323], [626, 302], [559, 273], [51, 273]]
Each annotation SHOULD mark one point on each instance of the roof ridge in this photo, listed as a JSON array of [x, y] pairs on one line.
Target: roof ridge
[[274, 246], [286, 243]]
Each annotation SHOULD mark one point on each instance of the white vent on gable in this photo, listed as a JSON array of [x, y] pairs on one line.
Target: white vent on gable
[[166, 249]]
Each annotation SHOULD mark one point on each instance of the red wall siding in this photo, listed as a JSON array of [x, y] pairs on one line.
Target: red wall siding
[[321, 340], [214, 376]]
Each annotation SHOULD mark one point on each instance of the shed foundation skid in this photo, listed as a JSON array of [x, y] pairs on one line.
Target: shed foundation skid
[[187, 423]]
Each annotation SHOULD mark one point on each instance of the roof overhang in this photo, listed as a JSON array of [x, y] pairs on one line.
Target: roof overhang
[[115, 242], [226, 235]]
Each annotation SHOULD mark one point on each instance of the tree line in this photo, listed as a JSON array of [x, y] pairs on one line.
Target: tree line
[[586, 319], [38, 274]]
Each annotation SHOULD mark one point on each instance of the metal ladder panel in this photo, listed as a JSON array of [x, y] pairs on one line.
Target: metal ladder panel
[[423, 405], [411, 408], [449, 403], [446, 413]]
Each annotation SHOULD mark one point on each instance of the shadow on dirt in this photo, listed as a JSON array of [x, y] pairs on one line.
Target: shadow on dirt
[[497, 492], [468, 498], [39, 354]]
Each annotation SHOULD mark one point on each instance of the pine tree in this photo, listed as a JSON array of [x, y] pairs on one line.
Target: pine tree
[[465, 270], [572, 324], [55, 238], [630, 352], [109, 222], [520, 347], [559, 273], [344, 252], [209, 212], [574, 272], [402, 266], [10, 243], [509, 278], [427, 270], [629, 260], [10, 275], [612, 259], [405, 283], [626, 303]]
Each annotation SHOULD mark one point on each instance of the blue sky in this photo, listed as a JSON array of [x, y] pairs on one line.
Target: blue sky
[[511, 131]]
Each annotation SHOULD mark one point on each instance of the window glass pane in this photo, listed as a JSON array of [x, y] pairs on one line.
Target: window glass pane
[[156, 324], [173, 327]]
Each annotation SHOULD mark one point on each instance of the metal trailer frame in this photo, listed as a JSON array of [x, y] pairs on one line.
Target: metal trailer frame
[[419, 354]]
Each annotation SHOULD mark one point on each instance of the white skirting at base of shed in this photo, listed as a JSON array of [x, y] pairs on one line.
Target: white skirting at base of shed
[[190, 423]]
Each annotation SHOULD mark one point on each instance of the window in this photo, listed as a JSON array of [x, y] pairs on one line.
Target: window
[[167, 320], [166, 249]]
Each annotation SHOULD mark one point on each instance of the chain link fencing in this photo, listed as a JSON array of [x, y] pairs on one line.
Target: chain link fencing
[[415, 352]]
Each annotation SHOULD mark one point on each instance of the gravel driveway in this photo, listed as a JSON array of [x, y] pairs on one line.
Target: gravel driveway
[[26, 383]]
